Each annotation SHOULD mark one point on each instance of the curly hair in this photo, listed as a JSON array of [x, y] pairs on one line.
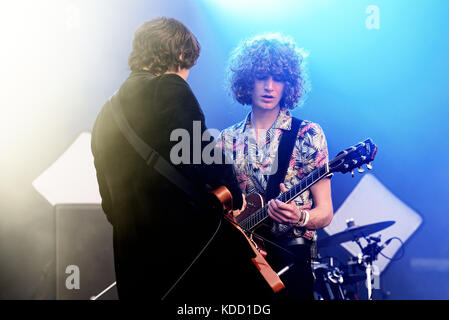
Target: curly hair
[[163, 44], [265, 55]]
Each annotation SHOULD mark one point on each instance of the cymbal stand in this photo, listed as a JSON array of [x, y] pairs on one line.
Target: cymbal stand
[[369, 254]]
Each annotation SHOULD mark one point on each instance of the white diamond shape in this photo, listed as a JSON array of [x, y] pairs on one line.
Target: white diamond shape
[[72, 177]]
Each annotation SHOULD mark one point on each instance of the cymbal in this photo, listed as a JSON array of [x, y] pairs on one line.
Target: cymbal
[[353, 233]]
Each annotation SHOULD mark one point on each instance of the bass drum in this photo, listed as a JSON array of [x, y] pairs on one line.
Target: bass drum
[[328, 282]]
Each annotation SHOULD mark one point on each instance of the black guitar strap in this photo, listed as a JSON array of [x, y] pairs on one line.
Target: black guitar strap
[[151, 156], [283, 156]]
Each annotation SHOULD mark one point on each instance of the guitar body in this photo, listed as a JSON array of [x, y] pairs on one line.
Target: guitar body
[[254, 202], [270, 276]]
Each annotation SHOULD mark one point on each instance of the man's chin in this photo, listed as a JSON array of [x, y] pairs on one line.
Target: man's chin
[[267, 106]]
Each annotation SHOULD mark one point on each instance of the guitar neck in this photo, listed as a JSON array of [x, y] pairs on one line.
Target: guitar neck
[[259, 216], [305, 183]]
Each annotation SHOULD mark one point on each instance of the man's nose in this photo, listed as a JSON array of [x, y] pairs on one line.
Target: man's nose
[[268, 85]]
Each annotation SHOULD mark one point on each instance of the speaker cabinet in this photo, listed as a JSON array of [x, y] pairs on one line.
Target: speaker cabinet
[[84, 253]]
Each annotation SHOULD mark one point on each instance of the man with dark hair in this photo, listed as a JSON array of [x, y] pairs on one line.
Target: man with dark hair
[[267, 72], [158, 230]]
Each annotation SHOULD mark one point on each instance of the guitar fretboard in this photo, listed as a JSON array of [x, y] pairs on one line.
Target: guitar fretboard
[[256, 218]]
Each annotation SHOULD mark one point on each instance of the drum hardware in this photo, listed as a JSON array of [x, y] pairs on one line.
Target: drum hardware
[[368, 254], [350, 270], [328, 280]]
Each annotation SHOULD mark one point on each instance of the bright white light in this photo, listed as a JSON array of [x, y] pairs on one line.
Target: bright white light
[[265, 10], [247, 6], [72, 177]]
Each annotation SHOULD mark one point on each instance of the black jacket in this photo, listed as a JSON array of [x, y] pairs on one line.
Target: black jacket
[[157, 232]]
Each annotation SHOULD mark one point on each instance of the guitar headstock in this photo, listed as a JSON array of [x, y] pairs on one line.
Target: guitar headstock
[[354, 157]]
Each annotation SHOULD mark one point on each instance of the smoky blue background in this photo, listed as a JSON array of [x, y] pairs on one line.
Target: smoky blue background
[[388, 84]]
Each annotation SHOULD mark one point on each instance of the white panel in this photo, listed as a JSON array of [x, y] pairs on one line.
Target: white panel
[[72, 177]]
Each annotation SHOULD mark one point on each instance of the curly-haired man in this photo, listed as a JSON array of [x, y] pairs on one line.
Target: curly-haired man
[[157, 232], [267, 72]]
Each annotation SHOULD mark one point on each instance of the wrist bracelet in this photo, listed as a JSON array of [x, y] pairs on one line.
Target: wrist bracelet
[[301, 219], [304, 219]]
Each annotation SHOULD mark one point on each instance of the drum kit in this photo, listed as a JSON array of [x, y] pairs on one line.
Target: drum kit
[[335, 280]]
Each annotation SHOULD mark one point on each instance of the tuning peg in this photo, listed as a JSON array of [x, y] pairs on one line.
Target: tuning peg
[[369, 166], [361, 170], [352, 173]]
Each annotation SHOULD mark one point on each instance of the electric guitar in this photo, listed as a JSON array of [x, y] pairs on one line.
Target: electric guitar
[[256, 212]]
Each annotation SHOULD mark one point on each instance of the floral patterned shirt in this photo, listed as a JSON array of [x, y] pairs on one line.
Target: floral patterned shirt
[[253, 160]]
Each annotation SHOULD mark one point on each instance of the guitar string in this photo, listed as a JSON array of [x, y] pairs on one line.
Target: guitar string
[[262, 237], [261, 214]]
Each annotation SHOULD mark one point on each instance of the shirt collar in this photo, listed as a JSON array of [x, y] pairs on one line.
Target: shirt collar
[[283, 121]]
